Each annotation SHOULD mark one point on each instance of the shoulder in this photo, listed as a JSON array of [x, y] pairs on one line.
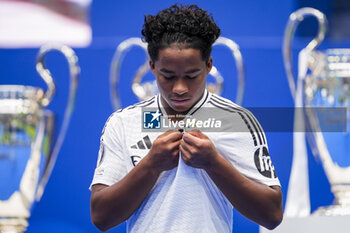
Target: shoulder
[[243, 119], [151, 102], [128, 114], [133, 109], [225, 104]]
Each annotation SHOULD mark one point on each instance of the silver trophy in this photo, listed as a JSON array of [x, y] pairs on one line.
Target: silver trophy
[[26, 140], [146, 89], [324, 83]]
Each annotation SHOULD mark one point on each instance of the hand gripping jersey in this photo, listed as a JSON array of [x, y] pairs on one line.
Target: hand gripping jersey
[[184, 199]]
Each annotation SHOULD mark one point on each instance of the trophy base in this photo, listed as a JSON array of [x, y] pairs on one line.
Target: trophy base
[[312, 224], [13, 225], [332, 210]]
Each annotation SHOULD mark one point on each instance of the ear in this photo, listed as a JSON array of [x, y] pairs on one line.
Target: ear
[[151, 66], [209, 64]]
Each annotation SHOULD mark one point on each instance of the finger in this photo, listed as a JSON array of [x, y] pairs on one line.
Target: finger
[[174, 145], [184, 147], [185, 155], [184, 152], [176, 160], [197, 133], [172, 136], [176, 137], [165, 134], [168, 132], [190, 139]]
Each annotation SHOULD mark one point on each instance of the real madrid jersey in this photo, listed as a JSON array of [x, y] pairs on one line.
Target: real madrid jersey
[[184, 199]]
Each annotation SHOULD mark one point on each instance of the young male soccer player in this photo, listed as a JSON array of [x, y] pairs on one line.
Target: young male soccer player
[[182, 182]]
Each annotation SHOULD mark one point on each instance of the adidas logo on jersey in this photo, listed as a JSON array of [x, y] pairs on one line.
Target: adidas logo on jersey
[[143, 144], [263, 162]]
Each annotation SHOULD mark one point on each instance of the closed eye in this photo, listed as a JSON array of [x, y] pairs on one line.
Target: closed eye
[[169, 77]]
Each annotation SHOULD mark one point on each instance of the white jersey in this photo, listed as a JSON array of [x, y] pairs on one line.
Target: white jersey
[[184, 199]]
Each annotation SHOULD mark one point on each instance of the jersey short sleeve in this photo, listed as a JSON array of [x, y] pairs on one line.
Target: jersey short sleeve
[[111, 157], [243, 142], [248, 151]]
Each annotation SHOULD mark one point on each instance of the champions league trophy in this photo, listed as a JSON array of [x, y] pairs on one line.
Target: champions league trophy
[[323, 82], [147, 89], [26, 133]]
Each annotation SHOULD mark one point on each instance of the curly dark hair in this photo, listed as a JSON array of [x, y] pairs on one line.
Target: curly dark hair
[[187, 25]]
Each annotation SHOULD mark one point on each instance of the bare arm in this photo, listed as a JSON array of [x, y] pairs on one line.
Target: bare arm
[[112, 205], [258, 202]]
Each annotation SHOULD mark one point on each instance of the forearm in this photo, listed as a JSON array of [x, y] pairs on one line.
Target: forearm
[[258, 202], [112, 205]]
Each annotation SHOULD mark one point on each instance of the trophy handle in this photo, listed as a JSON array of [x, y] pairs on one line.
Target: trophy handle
[[236, 53], [74, 71], [294, 19], [117, 60]]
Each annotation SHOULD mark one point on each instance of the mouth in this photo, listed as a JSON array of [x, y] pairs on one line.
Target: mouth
[[179, 101]]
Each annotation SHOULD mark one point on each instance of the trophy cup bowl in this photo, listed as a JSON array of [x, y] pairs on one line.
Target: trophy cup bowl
[[328, 87], [323, 83], [27, 150], [146, 89]]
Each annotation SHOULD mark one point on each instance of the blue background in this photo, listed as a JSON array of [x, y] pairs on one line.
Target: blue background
[[257, 26]]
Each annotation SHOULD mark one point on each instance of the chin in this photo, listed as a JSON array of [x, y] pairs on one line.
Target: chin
[[178, 108], [181, 109]]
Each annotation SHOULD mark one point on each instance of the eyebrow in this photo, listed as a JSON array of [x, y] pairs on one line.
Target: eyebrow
[[172, 72]]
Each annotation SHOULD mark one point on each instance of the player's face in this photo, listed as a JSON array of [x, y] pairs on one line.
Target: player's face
[[181, 77]]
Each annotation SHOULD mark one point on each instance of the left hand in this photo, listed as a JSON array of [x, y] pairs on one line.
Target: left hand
[[197, 150]]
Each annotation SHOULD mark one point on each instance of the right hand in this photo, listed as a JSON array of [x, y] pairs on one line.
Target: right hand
[[164, 153]]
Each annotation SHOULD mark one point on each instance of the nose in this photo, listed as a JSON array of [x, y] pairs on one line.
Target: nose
[[180, 86]]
